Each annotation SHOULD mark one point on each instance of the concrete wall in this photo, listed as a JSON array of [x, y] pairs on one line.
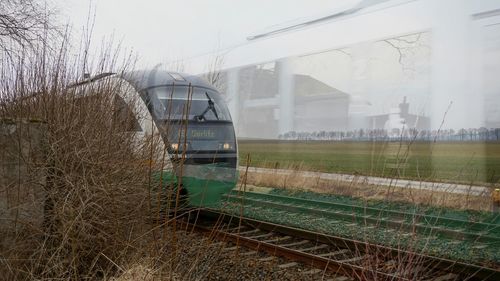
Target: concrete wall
[[22, 176]]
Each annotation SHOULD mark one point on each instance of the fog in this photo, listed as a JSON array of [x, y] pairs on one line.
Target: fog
[[311, 66]]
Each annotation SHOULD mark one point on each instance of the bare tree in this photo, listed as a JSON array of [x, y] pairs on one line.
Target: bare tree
[[23, 24], [407, 47], [213, 74]]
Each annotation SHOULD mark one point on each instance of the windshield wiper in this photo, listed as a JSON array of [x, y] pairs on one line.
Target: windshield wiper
[[211, 107]]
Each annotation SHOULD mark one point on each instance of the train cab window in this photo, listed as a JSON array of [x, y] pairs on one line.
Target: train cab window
[[203, 104], [124, 116]]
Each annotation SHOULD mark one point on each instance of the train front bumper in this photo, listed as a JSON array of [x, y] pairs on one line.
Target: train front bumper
[[206, 183]]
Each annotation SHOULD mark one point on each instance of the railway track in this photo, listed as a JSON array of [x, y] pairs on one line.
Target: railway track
[[346, 259], [481, 233]]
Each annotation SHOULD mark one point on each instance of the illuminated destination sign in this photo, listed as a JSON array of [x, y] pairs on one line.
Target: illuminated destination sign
[[202, 133]]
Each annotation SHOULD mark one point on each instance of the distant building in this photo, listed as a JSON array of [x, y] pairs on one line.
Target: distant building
[[398, 118], [272, 102]]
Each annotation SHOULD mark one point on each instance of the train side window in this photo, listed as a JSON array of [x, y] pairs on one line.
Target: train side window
[[125, 116]]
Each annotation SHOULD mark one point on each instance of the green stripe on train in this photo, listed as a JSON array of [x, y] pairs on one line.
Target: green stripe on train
[[201, 192]]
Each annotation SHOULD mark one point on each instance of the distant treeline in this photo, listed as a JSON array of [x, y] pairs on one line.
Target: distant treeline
[[471, 134]]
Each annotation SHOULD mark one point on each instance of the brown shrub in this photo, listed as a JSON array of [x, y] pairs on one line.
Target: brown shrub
[[97, 177]]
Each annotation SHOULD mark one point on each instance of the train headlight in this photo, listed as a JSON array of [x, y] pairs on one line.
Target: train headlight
[[177, 147], [226, 146]]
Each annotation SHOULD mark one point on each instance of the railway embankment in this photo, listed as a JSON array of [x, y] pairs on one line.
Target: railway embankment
[[462, 235]]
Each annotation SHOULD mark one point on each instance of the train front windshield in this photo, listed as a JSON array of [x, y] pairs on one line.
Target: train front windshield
[[181, 103], [208, 136]]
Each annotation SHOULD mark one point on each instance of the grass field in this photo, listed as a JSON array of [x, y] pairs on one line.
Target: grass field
[[463, 162]]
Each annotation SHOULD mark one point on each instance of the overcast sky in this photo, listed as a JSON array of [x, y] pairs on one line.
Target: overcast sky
[[160, 31]]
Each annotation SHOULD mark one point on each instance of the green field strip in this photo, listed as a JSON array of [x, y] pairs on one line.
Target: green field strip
[[458, 162]]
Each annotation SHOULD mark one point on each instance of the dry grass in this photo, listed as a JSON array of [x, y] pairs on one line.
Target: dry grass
[[298, 179], [137, 272]]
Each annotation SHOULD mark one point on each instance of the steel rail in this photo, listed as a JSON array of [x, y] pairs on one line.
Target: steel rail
[[465, 270], [335, 266], [367, 218], [377, 211]]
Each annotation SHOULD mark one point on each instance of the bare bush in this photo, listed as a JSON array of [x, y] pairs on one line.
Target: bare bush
[[24, 24], [98, 185]]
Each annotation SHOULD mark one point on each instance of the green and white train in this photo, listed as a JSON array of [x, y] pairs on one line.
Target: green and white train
[[194, 123]]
